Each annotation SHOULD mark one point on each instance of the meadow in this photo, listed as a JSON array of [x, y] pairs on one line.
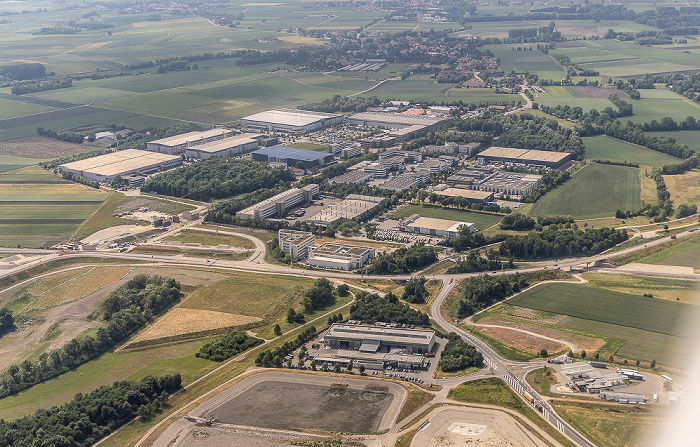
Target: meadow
[[40, 209], [659, 103], [607, 189], [686, 254], [684, 188], [663, 288], [480, 220], [603, 147], [206, 238], [607, 306], [11, 163], [690, 138], [533, 62]]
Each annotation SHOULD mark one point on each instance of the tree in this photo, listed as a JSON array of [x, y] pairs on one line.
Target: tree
[[336, 368], [544, 353], [570, 353], [362, 368], [324, 366], [278, 330], [583, 354], [291, 316], [414, 291], [349, 368], [653, 364], [289, 362], [343, 290]]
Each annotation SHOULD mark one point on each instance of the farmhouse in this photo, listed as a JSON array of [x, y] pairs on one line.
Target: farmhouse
[[434, 227], [291, 120], [178, 144], [277, 206], [296, 243], [104, 168], [340, 257], [532, 158], [352, 206], [291, 157], [228, 147]]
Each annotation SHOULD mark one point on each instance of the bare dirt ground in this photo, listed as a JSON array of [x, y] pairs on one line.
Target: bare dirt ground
[[113, 233], [453, 427], [179, 321], [39, 147]]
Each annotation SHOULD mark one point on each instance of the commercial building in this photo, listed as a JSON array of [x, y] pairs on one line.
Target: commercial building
[[526, 157], [451, 148], [291, 156], [291, 121], [178, 144], [405, 181], [623, 398], [352, 206], [296, 244], [434, 227], [469, 194], [433, 166], [376, 169], [278, 205], [509, 183], [470, 176], [227, 147], [346, 149], [357, 176], [379, 338], [403, 156], [335, 256], [104, 168], [587, 378], [397, 120]]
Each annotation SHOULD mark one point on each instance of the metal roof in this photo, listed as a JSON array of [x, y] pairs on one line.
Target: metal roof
[[290, 152], [119, 162]]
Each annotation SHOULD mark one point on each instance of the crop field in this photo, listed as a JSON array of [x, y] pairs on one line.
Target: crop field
[[38, 208], [11, 162], [480, 220], [690, 138], [659, 103], [686, 254], [663, 288], [181, 321], [613, 58], [607, 306], [607, 189], [684, 188], [603, 147], [611, 426], [481, 95], [250, 294], [207, 238], [533, 62]]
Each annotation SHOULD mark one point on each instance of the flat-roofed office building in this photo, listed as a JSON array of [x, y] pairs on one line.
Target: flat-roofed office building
[[278, 205], [335, 256], [291, 156], [296, 244], [434, 227]]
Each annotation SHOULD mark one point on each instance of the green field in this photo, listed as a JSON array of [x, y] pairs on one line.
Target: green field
[[310, 146], [533, 62], [690, 138], [661, 102], [603, 147], [594, 191], [685, 254], [607, 306], [40, 209], [664, 288], [11, 163], [206, 238], [480, 220]]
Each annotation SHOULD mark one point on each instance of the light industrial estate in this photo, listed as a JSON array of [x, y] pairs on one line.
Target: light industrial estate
[[104, 168]]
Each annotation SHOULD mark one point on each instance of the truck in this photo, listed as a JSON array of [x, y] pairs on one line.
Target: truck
[[528, 397]]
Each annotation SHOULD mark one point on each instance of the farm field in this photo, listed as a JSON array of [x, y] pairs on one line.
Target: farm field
[[533, 62], [607, 189], [481, 96], [663, 288], [310, 146], [12, 162], [690, 138], [611, 426], [684, 188], [661, 102], [606, 306], [206, 238], [480, 220], [40, 209], [603, 147], [686, 253]]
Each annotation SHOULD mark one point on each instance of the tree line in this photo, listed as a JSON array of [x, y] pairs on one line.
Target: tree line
[[216, 178], [342, 104], [125, 311], [89, 417], [480, 292], [371, 308], [550, 243], [404, 260], [227, 345]]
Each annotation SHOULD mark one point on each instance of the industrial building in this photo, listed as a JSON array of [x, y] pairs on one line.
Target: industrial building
[[227, 147], [434, 227], [278, 205], [451, 148], [433, 166], [352, 206], [296, 244], [405, 181], [331, 255], [526, 157], [470, 176], [492, 180], [358, 176], [623, 398], [588, 378], [379, 338], [178, 144], [104, 168], [385, 120], [469, 194], [346, 149], [291, 121], [291, 156], [402, 157]]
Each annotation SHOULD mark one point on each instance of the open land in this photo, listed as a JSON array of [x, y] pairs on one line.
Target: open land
[[607, 189], [606, 148], [480, 220]]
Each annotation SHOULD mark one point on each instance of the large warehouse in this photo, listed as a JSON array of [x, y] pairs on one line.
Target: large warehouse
[[278, 205], [352, 206], [177, 144], [527, 157], [434, 227], [104, 168], [379, 339], [228, 147], [291, 156], [397, 120], [291, 120]]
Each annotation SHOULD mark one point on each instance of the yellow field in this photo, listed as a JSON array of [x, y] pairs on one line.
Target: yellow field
[[684, 188], [179, 321], [72, 285]]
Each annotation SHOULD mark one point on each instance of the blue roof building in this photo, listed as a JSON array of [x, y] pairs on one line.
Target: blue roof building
[[292, 156]]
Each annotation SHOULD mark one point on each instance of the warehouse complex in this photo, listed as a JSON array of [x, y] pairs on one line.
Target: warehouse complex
[[331, 255], [377, 346], [492, 180], [398, 121], [296, 244], [278, 205], [290, 156], [178, 144], [228, 147], [469, 194], [104, 168], [434, 227], [291, 121], [352, 206], [531, 158]]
